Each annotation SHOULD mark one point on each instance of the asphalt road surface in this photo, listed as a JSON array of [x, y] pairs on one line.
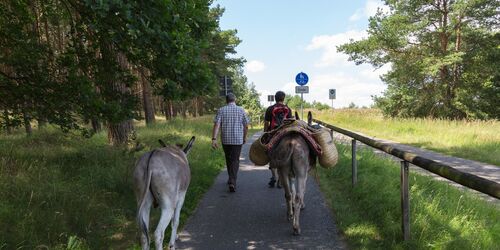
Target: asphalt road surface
[[254, 217]]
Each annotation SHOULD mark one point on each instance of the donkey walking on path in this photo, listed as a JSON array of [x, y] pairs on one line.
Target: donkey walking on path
[[161, 177], [293, 160]]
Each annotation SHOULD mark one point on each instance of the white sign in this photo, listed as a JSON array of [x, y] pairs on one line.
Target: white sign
[[301, 89], [333, 94]]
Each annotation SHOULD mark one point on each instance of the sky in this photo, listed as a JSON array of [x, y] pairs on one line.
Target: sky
[[281, 38]]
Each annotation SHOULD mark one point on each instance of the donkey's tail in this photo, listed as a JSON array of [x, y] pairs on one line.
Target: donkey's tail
[[140, 218]]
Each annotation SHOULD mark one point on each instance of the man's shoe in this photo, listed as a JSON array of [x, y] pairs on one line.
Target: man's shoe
[[232, 188], [272, 182]]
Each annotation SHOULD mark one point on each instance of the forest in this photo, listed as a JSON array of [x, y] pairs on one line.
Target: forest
[[89, 65]]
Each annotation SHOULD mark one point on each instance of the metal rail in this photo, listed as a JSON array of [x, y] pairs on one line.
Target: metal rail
[[475, 182]]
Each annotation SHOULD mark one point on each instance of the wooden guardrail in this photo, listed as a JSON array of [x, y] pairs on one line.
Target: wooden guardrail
[[475, 182], [469, 180]]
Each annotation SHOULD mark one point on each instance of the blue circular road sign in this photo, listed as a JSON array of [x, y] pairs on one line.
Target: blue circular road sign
[[301, 79]]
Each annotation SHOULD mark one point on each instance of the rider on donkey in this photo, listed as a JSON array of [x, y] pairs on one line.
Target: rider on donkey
[[275, 114]]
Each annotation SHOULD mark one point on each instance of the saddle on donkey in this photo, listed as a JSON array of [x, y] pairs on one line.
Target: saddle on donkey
[[319, 140]]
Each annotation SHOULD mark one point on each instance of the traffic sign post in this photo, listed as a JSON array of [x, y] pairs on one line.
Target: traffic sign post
[[270, 99], [302, 79], [226, 84], [332, 94]]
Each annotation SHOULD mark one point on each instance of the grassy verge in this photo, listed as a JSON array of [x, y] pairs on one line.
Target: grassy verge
[[475, 140], [369, 215], [58, 190]]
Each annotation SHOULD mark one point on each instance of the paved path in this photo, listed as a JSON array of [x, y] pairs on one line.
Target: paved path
[[485, 170], [255, 216]]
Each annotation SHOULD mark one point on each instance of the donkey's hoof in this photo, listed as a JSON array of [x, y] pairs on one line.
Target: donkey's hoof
[[296, 231]]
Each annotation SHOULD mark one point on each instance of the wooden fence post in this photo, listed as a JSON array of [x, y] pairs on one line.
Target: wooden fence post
[[405, 200], [354, 163]]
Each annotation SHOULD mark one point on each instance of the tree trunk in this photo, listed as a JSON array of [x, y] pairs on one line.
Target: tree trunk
[[168, 110], [147, 97], [456, 70], [119, 132], [96, 125], [195, 104], [161, 106], [27, 124], [200, 104], [183, 109], [443, 71], [174, 109], [7, 121]]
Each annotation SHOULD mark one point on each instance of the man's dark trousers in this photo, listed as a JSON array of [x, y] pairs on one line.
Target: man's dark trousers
[[232, 153]]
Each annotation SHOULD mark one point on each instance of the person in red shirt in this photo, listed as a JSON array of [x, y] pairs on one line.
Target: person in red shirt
[[274, 117]]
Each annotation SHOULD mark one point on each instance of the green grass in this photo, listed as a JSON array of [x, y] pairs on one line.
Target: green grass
[[369, 215], [475, 140], [61, 189]]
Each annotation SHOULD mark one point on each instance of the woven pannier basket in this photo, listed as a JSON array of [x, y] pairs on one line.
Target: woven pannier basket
[[258, 154], [330, 155]]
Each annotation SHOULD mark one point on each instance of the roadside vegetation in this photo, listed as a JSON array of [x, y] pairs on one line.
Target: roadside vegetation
[[369, 214], [61, 190], [475, 140]]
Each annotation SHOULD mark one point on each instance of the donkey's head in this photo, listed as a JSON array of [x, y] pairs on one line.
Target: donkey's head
[[186, 149]]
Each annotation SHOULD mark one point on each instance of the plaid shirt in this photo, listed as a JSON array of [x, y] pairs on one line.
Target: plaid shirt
[[232, 120]]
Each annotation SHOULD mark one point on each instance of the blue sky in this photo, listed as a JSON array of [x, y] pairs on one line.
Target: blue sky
[[282, 38]]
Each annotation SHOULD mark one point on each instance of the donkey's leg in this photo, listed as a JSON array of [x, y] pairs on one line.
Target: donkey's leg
[[144, 217], [288, 192], [175, 222], [299, 201], [167, 211]]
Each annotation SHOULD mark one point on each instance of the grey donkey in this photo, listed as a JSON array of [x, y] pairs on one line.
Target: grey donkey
[[293, 159], [161, 178]]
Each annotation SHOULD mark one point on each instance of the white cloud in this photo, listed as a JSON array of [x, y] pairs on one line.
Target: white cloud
[[357, 15], [333, 71], [370, 9], [329, 44], [254, 66]]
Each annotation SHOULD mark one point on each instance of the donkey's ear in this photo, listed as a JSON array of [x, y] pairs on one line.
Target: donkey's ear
[[162, 143], [309, 118], [297, 116], [189, 145]]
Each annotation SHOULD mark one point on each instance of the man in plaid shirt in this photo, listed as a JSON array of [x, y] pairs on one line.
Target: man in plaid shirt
[[233, 123]]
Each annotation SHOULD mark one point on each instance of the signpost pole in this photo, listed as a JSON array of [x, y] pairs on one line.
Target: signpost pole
[[301, 79], [301, 105], [225, 84], [332, 95]]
